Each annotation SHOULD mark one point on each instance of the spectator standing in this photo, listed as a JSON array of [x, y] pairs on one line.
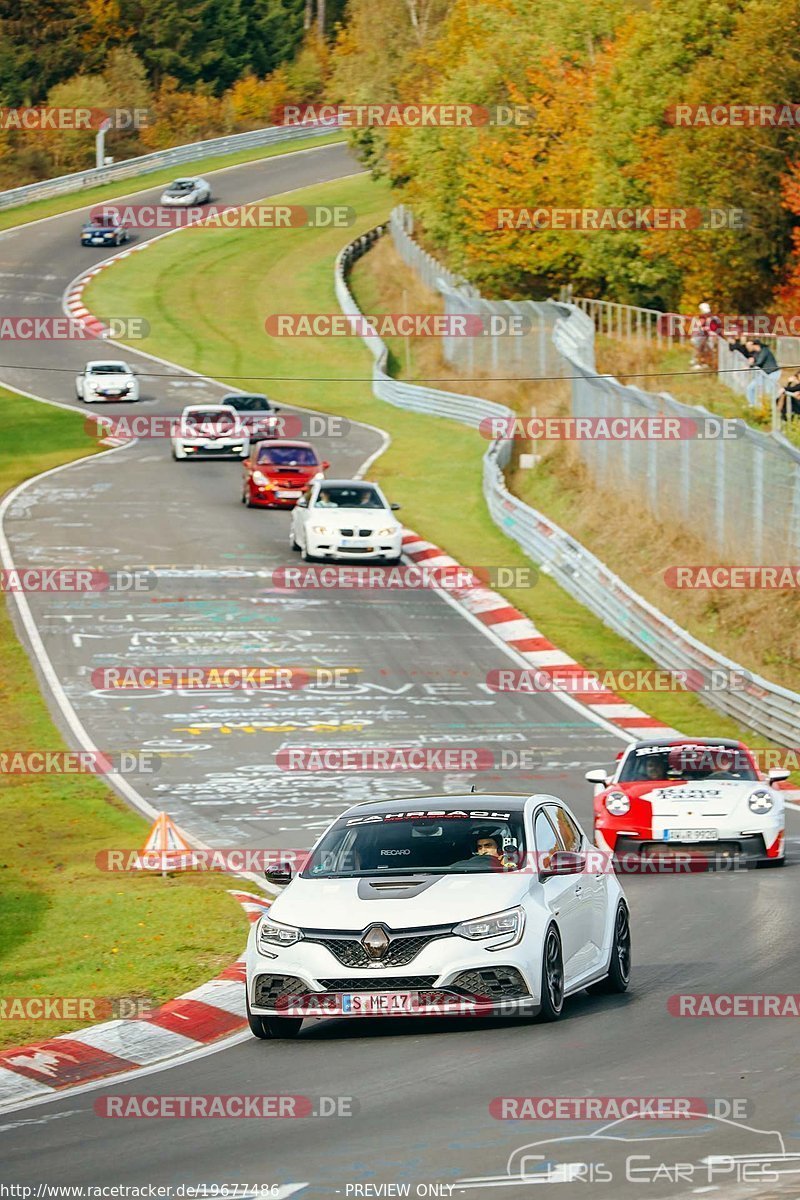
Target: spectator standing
[[704, 340], [761, 359]]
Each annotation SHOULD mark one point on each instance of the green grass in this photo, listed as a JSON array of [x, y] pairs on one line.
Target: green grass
[[36, 209], [67, 929], [206, 302]]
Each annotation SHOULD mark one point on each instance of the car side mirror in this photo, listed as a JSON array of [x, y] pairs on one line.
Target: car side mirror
[[597, 775], [778, 776], [276, 408], [394, 507], [279, 875], [324, 465], [563, 862]]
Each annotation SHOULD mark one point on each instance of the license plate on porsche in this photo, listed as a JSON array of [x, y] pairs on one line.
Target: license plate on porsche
[[691, 835]]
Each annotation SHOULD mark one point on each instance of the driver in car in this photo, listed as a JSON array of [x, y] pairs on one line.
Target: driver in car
[[489, 844]]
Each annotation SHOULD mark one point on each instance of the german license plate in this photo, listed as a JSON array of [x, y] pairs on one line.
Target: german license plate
[[376, 1003], [292, 495], [691, 835]]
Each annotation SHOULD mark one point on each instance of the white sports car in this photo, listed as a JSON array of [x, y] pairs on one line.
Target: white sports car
[[209, 431], [699, 796], [346, 518], [457, 905], [107, 380], [187, 192]]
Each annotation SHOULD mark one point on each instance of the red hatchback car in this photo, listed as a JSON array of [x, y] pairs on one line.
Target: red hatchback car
[[277, 473]]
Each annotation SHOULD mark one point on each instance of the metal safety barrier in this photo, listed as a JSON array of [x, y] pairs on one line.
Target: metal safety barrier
[[145, 164], [755, 702]]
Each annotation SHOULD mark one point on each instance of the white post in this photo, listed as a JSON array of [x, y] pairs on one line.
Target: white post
[[100, 144]]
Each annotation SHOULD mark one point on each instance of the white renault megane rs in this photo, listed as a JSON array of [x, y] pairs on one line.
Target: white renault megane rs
[[457, 905]]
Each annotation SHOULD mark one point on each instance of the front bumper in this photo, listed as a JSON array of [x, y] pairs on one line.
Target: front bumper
[[450, 975], [329, 546], [199, 449], [732, 848]]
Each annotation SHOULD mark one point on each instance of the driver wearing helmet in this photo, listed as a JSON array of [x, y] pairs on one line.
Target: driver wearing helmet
[[489, 843]]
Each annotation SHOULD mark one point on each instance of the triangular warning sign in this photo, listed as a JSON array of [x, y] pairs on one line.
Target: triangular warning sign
[[165, 848]]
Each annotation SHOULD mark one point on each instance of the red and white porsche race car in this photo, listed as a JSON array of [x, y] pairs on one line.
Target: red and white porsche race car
[[704, 796]]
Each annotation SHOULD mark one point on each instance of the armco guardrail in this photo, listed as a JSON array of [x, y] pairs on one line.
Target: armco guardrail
[[758, 704], [147, 163]]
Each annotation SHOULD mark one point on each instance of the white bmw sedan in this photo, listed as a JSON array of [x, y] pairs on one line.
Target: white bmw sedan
[[346, 518], [443, 906]]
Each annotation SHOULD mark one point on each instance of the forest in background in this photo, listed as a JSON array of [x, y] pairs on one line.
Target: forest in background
[[599, 76]]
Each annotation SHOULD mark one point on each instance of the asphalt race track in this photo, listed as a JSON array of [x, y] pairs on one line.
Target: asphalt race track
[[417, 677]]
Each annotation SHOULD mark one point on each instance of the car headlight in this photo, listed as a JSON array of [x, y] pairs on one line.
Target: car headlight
[[320, 529], [617, 803], [760, 801], [260, 478], [272, 933], [390, 529], [510, 922]]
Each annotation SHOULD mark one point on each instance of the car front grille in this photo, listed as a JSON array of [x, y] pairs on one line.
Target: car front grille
[[380, 983], [496, 983], [399, 953], [268, 989]]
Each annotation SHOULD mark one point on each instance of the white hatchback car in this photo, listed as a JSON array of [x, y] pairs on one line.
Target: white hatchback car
[[186, 192], [209, 431], [457, 905], [107, 380], [346, 518]]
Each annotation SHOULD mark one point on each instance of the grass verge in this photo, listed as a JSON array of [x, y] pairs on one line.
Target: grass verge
[[206, 302], [23, 214], [66, 929]]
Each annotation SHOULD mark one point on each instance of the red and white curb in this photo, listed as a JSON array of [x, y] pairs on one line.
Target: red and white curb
[[214, 1010], [74, 307], [521, 635]]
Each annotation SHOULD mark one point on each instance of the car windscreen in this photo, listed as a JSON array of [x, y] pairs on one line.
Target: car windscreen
[[181, 185], [217, 419], [249, 403], [109, 369], [688, 762], [348, 497], [288, 456], [443, 844]]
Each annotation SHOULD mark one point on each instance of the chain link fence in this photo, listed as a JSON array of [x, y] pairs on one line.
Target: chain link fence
[[740, 494], [754, 702]]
